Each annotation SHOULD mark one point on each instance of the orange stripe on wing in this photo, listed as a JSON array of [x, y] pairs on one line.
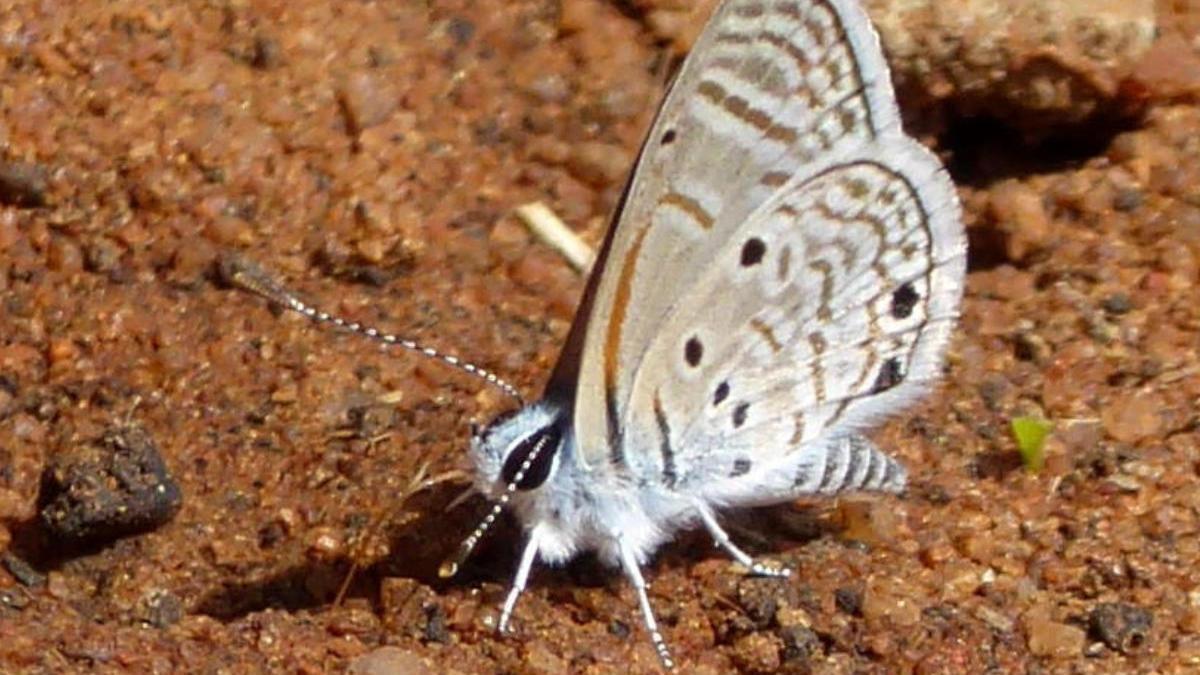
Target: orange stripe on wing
[[612, 337]]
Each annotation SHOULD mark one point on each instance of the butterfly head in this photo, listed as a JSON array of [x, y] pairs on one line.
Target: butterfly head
[[515, 456]]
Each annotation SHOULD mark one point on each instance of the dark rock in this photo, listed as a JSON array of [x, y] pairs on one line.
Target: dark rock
[[1120, 626], [113, 486], [760, 598], [800, 644], [1117, 303], [462, 30], [22, 185], [162, 609], [848, 600], [22, 571]]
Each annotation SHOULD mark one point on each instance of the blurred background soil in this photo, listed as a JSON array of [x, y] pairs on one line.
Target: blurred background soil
[[187, 477]]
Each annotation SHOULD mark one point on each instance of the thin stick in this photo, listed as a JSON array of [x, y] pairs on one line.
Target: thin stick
[[553, 232]]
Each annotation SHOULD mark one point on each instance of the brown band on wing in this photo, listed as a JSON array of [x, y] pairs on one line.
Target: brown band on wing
[[740, 108], [762, 328], [774, 179], [689, 206], [822, 267], [612, 342]]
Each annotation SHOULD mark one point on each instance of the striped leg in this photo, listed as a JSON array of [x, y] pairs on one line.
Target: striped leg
[[721, 537], [522, 578], [634, 574]]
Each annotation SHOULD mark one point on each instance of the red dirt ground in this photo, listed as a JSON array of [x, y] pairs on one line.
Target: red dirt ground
[[370, 155]]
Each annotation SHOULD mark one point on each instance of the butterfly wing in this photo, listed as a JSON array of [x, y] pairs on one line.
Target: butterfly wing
[[829, 307], [770, 87]]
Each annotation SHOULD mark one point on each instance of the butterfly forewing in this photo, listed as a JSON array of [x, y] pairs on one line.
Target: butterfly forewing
[[770, 86]]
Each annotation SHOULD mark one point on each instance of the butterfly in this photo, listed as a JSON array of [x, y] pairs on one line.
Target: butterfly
[[784, 271]]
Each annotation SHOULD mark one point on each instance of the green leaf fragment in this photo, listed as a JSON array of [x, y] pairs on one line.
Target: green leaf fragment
[[1031, 433]]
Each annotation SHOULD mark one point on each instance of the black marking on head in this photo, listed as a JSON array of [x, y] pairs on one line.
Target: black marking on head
[[739, 415], [753, 251], [668, 453], [890, 375], [903, 301], [693, 351], [741, 467], [545, 442], [721, 393], [668, 137], [497, 421]]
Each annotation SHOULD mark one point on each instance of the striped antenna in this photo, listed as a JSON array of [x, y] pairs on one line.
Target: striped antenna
[[248, 277]]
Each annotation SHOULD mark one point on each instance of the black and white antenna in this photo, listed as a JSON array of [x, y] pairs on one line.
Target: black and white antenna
[[245, 275]]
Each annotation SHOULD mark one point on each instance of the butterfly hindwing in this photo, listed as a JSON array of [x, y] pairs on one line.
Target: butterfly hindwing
[[830, 306]]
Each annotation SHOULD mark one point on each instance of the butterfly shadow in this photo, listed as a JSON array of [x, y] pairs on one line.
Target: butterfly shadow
[[416, 545], [419, 545]]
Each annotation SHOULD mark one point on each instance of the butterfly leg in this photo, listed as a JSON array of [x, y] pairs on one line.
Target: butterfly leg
[[629, 562], [720, 536], [522, 578]]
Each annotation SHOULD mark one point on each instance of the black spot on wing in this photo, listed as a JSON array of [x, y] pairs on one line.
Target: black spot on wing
[[741, 467], [721, 393], [739, 415], [753, 251], [903, 301], [890, 375], [693, 351]]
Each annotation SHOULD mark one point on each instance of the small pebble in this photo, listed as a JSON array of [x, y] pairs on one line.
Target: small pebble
[[1120, 626], [97, 491], [800, 644], [1117, 304], [22, 185], [848, 600], [1052, 639], [599, 163], [22, 571], [757, 653], [391, 661], [1131, 416]]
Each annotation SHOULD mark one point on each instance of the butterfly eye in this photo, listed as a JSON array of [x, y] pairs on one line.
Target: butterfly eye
[[528, 465]]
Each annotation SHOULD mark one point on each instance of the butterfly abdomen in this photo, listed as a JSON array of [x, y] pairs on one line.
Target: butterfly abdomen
[[850, 463]]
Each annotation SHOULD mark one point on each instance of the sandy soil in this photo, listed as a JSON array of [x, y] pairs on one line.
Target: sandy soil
[[370, 155]]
